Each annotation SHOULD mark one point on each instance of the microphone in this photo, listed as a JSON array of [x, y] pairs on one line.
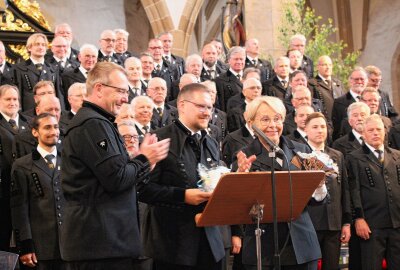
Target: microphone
[[267, 140]]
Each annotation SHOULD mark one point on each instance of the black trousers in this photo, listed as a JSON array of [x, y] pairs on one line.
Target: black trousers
[[354, 250], [51, 265], [329, 242], [383, 243], [104, 264], [313, 265]]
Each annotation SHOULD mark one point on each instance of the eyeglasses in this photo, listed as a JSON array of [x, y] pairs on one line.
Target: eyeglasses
[[375, 80], [120, 91], [155, 48], [202, 108], [108, 40], [129, 138], [267, 121], [358, 79]]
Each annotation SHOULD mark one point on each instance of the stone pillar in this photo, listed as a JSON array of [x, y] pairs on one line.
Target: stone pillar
[[262, 20]]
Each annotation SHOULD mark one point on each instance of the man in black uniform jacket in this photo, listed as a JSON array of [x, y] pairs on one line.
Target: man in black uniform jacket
[[6, 69], [100, 226], [229, 83], [107, 48], [253, 60], [11, 123], [374, 177], [37, 202], [298, 42], [30, 72], [171, 237]]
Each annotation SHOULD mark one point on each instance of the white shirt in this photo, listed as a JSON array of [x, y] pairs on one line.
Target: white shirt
[[355, 95], [44, 153], [382, 148], [358, 136], [84, 71]]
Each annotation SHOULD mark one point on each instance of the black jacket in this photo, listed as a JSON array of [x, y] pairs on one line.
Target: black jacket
[[228, 85], [99, 182], [170, 234]]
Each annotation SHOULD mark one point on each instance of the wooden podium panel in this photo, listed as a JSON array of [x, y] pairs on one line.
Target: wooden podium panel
[[236, 193]]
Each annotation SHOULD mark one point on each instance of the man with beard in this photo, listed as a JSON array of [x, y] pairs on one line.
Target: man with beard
[[127, 130], [358, 81], [171, 236], [211, 67], [37, 202]]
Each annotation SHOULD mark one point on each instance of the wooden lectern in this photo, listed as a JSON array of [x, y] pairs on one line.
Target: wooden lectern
[[236, 193]]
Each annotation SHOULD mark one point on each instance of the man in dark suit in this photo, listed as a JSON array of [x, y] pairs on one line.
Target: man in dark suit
[[64, 30], [386, 107], [186, 78], [163, 113], [171, 236], [76, 95], [24, 141], [295, 127], [235, 141], [143, 107], [107, 48], [298, 42], [37, 201], [167, 40], [121, 45], [147, 61], [229, 83], [325, 87], [58, 60], [133, 68], [253, 60], [11, 123], [99, 164], [278, 85], [332, 219], [357, 112], [302, 249], [237, 104], [162, 68], [373, 178], [358, 81], [6, 69], [88, 58], [212, 68], [30, 72], [193, 65]]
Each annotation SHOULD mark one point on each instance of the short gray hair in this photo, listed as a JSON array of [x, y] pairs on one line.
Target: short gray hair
[[273, 102], [357, 105], [235, 50], [136, 99]]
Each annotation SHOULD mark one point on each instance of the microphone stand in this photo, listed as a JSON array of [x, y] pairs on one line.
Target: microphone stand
[[273, 149], [277, 256]]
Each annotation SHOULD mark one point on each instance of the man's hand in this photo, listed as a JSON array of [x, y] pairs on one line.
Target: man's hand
[[196, 196], [345, 236], [29, 259], [244, 163], [153, 150], [236, 244], [362, 228]]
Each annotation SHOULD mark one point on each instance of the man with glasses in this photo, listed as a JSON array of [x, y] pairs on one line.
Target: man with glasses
[[163, 113], [172, 194], [107, 48], [100, 225], [59, 59], [162, 68], [64, 30], [87, 58], [358, 80], [386, 107]]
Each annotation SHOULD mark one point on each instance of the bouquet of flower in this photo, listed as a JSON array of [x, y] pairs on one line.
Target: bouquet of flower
[[318, 161], [209, 177]]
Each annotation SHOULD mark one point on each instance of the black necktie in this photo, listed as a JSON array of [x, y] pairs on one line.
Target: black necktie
[[13, 124], [329, 83], [238, 76], [136, 91], [158, 67], [39, 67], [254, 62], [211, 73], [49, 160], [166, 58], [160, 111], [380, 155], [146, 129], [284, 84], [196, 137]]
